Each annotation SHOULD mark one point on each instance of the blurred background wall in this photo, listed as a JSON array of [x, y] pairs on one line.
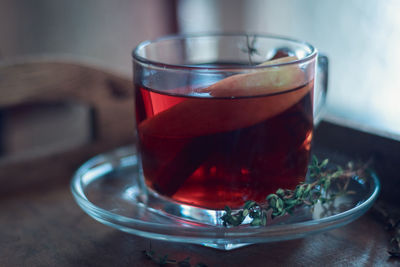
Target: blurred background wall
[[96, 31], [361, 38]]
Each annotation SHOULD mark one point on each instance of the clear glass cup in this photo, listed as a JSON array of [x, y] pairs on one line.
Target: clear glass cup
[[222, 119]]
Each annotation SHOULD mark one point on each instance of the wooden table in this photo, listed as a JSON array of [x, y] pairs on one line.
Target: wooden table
[[41, 225], [47, 228]]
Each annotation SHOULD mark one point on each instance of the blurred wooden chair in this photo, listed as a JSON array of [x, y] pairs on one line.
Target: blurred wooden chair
[[54, 115]]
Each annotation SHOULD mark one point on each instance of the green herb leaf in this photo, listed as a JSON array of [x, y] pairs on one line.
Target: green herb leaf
[[284, 201]]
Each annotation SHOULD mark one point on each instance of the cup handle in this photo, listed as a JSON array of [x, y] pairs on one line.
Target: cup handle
[[321, 88]]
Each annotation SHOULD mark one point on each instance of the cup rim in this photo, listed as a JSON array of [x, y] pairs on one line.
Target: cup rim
[[142, 60]]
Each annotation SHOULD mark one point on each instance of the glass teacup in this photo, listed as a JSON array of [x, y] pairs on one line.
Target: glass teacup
[[222, 119]]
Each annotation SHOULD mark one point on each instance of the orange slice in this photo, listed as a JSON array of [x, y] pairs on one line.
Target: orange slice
[[241, 105]]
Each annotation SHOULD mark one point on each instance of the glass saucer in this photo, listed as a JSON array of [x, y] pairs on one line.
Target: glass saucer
[[106, 187]]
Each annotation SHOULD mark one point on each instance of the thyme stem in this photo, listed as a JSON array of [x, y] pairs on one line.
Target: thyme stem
[[284, 201]]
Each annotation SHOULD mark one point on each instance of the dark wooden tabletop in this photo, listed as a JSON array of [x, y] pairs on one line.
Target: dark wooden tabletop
[[47, 228], [41, 225]]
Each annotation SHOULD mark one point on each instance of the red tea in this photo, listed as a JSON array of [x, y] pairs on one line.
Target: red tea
[[216, 151]]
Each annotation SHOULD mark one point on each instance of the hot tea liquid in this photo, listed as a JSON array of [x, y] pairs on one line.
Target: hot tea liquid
[[198, 153]]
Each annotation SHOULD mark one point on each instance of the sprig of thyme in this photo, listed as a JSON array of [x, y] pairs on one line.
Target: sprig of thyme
[[284, 201], [165, 260], [250, 48], [391, 219], [394, 251]]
